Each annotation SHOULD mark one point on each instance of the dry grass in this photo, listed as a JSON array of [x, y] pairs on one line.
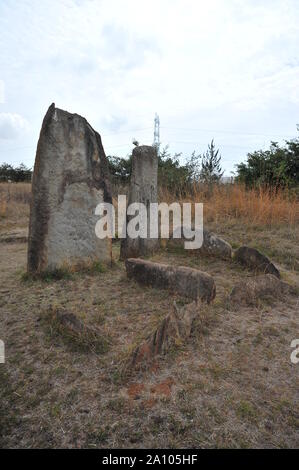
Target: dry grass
[[15, 192], [227, 203], [261, 207], [14, 205], [231, 385]]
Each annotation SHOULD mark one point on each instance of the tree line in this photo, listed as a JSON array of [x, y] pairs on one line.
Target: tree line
[[276, 167], [15, 174]]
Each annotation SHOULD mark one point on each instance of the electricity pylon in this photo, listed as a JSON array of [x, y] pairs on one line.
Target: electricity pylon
[[157, 133]]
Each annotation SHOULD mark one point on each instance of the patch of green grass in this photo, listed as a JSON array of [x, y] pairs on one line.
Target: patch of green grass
[[48, 276], [72, 396], [99, 436], [117, 376], [117, 404], [77, 342], [271, 330], [64, 272], [258, 339], [178, 427], [8, 416], [217, 371], [235, 245], [55, 410], [59, 371], [176, 248], [94, 268], [246, 410]]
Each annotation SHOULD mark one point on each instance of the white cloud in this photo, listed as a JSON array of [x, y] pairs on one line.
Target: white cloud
[[12, 125], [1, 91], [222, 64]]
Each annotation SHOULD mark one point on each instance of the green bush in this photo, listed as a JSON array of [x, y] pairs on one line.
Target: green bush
[[15, 174], [276, 167], [120, 168]]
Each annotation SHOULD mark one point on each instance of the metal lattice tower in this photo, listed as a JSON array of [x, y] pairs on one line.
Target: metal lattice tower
[[157, 133]]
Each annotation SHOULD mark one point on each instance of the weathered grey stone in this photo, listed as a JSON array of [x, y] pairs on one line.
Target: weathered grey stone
[[265, 286], [175, 327], [143, 189], [212, 244], [70, 178], [253, 259], [184, 281], [215, 246]]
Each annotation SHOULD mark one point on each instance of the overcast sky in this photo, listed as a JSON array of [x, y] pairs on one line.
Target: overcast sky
[[227, 69]]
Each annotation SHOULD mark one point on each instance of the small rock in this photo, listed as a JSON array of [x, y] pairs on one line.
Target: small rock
[[253, 259], [250, 291], [215, 246], [211, 244]]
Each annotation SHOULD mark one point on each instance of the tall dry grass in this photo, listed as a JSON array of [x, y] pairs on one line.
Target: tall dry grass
[[231, 202], [14, 203]]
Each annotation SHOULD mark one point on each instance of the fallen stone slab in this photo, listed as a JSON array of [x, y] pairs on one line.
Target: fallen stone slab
[[14, 236], [75, 330], [263, 287], [255, 260], [188, 282], [212, 245], [174, 329]]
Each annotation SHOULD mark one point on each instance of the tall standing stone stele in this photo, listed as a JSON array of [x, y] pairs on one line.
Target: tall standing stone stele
[[70, 179], [143, 189]]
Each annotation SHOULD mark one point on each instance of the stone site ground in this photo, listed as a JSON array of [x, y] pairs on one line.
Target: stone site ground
[[232, 384]]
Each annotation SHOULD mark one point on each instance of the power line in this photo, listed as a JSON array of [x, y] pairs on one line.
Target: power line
[[227, 132], [126, 132], [157, 136], [204, 143]]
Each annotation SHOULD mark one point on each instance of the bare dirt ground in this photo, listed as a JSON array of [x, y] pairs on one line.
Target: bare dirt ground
[[232, 385]]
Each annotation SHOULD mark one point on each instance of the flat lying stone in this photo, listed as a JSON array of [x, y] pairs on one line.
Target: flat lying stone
[[253, 259], [265, 286], [212, 244], [14, 236], [175, 327], [71, 326], [182, 280]]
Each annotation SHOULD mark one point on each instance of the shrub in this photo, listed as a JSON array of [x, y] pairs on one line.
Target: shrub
[[274, 168], [16, 174]]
